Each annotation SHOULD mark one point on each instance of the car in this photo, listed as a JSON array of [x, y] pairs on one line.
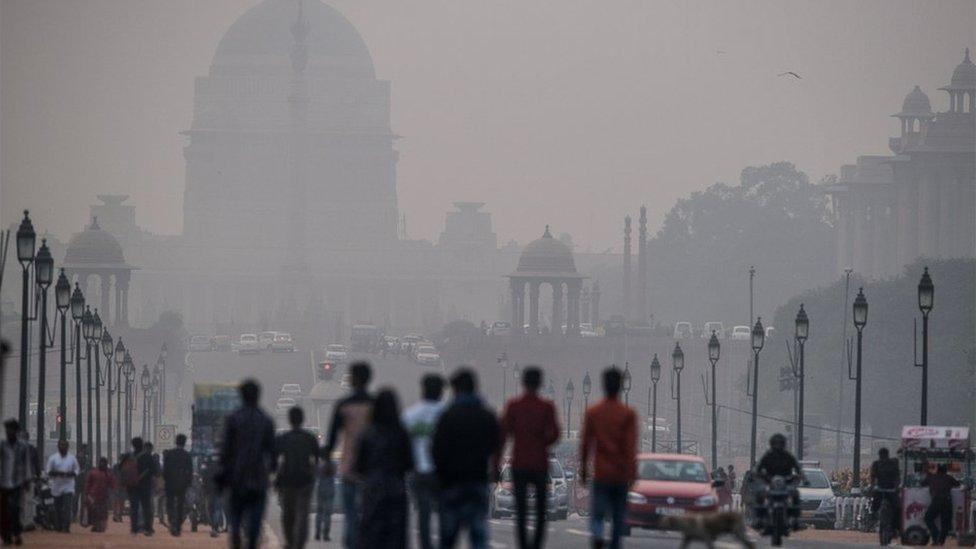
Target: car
[[817, 498], [770, 332], [741, 333], [198, 343], [669, 485], [500, 328], [282, 343], [502, 498], [326, 370], [409, 342], [248, 344], [427, 355], [284, 404], [266, 339], [713, 327], [221, 343], [336, 354], [586, 330], [683, 330], [291, 389]]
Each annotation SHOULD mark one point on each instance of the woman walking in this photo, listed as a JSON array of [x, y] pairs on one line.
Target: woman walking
[[98, 487]]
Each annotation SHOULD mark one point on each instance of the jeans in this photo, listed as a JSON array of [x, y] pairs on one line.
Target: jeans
[[10, 526], [323, 511], [295, 503], [141, 510], [62, 511], [464, 504], [522, 481], [423, 486], [216, 513], [247, 510], [350, 509], [941, 509], [175, 509], [612, 498]]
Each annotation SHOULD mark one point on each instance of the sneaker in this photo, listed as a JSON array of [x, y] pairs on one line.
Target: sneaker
[[213, 533]]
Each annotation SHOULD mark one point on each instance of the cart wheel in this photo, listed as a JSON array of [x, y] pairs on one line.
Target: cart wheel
[[915, 535]]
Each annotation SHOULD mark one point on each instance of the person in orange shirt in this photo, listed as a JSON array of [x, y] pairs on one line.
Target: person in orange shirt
[[610, 435]]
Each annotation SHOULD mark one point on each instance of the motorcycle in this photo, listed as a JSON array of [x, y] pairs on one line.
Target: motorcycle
[[777, 511], [44, 510]]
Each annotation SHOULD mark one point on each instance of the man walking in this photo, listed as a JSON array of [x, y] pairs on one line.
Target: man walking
[[940, 487], [465, 440], [28, 505], [296, 456], [14, 477], [138, 471], [177, 475], [610, 436], [530, 422], [62, 468], [349, 420], [247, 460], [420, 421]]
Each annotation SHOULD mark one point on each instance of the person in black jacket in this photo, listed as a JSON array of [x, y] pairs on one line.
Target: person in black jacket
[[296, 457], [177, 475], [465, 441]]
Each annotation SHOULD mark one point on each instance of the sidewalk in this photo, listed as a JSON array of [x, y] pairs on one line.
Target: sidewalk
[[847, 536], [118, 535]]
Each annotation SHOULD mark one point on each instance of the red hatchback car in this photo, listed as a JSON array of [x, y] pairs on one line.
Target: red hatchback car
[[669, 484]]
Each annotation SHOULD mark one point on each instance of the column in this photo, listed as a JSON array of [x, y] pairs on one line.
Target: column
[[928, 221], [859, 214], [947, 193], [534, 307], [557, 307], [906, 213], [105, 313], [967, 217], [573, 309], [514, 301], [595, 305], [118, 302]]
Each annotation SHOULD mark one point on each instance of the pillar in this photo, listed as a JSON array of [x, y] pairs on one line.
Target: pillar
[[907, 221], [967, 216], [573, 309], [106, 313], [626, 304], [642, 267], [947, 194], [595, 305], [534, 307], [928, 211], [557, 307]]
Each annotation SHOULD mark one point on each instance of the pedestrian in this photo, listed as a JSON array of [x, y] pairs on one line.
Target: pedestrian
[[157, 494], [530, 422], [137, 475], [177, 476], [213, 502], [28, 503], [324, 499], [14, 478], [940, 486], [610, 437], [732, 477], [98, 487], [119, 496], [246, 462], [420, 421], [383, 459], [62, 468], [349, 419], [296, 458], [466, 440], [79, 507]]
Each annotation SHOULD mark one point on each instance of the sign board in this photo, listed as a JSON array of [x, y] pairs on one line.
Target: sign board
[[165, 437], [924, 436]]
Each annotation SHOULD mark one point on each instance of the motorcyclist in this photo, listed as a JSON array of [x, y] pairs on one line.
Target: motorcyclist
[[885, 475], [778, 461]]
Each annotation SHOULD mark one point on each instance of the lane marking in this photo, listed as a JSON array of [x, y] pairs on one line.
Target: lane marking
[[577, 532]]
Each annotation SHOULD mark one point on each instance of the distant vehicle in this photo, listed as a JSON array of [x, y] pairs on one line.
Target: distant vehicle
[[742, 333], [502, 498], [336, 354], [212, 403], [326, 370], [364, 338], [284, 404], [248, 344], [669, 485], [714, 327], [282, 343], [199, 343], [615, 326], [500, 328], [770, 332], [586, 330], [817, 499], [291, 389], [428, 355], [683, 330], [266, 339], [221, 343], [409, 342]]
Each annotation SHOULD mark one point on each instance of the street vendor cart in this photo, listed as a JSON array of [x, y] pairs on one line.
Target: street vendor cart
[[923, 449]]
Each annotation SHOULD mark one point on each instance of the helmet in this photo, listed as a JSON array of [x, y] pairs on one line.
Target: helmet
[[777, 441]]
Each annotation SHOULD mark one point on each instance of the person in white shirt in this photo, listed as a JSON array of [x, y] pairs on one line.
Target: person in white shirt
[[420, 421], [62, 468]]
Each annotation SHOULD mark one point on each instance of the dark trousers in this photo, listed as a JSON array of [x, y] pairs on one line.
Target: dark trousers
[[608, 497], [940, 508], [10, 526], [537, 480], [323, 510], [350, 510], [461, 505], [141, 510], [383, 515], [62, 511], [246, 510], [423, 486], [175, 509], [295, 504]]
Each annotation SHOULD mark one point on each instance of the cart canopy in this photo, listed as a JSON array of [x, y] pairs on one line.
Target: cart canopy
[[932, 437]]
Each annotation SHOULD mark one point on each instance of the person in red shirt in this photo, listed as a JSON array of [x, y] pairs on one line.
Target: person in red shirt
[[530, 421], [98, 486], [610, 436]]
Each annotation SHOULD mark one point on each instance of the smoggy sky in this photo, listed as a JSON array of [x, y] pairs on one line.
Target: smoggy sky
[[565, 112]]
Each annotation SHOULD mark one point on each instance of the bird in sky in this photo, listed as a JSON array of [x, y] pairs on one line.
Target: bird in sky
[[791, 73]]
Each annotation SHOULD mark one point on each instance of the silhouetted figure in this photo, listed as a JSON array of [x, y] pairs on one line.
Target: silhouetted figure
[[98, 488], [324, 500], [14, 478], [246, 460], [465, 441], [177, 476], [383, 459], [349, 420], [531, 423], [62, 468], [138, 470], [296, 456], [420, 421], [28, 503], [940, 489]]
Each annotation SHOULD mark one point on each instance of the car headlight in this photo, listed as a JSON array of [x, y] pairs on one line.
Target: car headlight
[[706, 501], [828, 502], [504, 493], [634, 497]]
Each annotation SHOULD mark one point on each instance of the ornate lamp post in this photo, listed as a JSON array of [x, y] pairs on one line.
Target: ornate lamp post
[[677, 364], [108, 349], [62, 300], [926, 300], [77, 314], [130, 393], [802, 332], [714, 350], [569, 405], [517, 374], [626, 383], [119, 357], [860, 319], [145, 381], [503, 363], [655, 377], [26, 239], [587, 387], [43, 275], [758, 340], [157, 394], [161, 364], [96, 338], [87, 331]]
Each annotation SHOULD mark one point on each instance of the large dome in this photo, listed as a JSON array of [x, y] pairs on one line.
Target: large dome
[[94, 247], [261, 40], [964, 77], [546, 255], [916, 102]]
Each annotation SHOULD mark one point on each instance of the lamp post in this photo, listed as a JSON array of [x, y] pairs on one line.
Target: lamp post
[[77, 313], [758, 339], [87, 330], [677, 364], [655, 377], [43, 275], [96, 337], [587, 387], [145, 381], [926, 300], [108, 349], [503, 362], [161, 364], [130, 394], [627, 382], [517, 374], [157, 394], [62, 299], [26, 239], [714, 350], [802, 332], [119, 357], [860, 319], [569, 405]]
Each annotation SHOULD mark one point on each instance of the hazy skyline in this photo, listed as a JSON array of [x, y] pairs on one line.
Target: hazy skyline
[[565, 113]]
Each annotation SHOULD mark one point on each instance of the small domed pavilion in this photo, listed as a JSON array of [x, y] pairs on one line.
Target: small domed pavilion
[[96, 252], [546, 260]]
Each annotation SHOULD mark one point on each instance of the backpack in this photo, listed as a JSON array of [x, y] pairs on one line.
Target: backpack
[[130, 472]]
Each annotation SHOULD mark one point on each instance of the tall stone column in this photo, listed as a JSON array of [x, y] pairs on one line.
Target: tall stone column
[[967, 216], [105, 284], [627, 298], [927, 217], [557, 308], [534, 307], [906, 213], [642, 267], [573, 309], [595, 305], [947, 194]]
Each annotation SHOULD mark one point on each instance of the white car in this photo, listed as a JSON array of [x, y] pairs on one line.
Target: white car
[[683, 330], [336, 354], [282, 343], [291, 389], [266, 339], [199, 343], [284, 404], [586, 330], [742, 333], [428, 355], [714, 327], [248, 344]]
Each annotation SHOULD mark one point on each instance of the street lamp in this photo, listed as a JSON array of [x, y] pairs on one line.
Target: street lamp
[[860, 319], [87, 331], [62, 300], [145, 381], [926, 300], [655, 377], [569, 405], [587, 387], [503, 362], [802, 332], [108, 349], [26, 239], [78, 314], [758, 339], [627, 382], [677, 364], [157, 384], [161, 364], [99, 380], [43, 276], [119, 358], [130, 394], [714, 350]]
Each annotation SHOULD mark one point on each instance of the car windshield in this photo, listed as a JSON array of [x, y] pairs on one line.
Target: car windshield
[[427, 350], [555, 469], [199, 339], [291, 387], [248, 338], [671, 470], [815, 478], [506, 474], [336, 348], [282, 337]]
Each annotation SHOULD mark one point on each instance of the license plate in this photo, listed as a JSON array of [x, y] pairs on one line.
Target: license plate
[[670, 511], [806, 514]]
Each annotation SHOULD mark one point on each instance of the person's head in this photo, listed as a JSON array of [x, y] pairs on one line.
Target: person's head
[[777, 442], [180, 440], [883, 453], [11, 427], [463, 382], [943, 469], [730, 468], [612, 378], [432, 387], [24, 435], [137, 444], [386, 411], [359, 375], [148, 446], [532, 379], [103, 463], [63, 447], [250, 391], [296, 416]]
